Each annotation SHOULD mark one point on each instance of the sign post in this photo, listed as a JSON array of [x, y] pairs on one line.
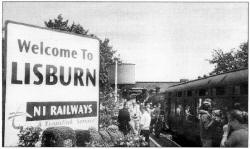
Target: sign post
[[116, 80], [52, 79]]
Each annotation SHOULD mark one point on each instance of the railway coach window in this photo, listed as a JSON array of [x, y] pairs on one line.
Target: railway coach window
[[236, 90], [220, 90], [203, 92], [196, 92], [189, 93], [244, 89], [179, 94]]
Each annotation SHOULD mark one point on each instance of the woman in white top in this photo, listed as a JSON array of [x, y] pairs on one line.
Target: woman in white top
[[145, 124]]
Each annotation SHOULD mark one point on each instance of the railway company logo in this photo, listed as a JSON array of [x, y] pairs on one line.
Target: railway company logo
[[60, 110]]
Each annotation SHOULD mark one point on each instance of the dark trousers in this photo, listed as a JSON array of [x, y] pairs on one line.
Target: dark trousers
[[153, 121], [124, 127], [146, 134]]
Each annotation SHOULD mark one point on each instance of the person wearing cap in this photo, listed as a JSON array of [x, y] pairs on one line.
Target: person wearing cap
[[206, 123]]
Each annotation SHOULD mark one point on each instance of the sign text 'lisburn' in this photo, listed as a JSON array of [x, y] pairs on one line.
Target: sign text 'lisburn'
[[50, 74]]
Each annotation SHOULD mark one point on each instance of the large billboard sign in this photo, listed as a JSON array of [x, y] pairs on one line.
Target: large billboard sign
[[52, 79]]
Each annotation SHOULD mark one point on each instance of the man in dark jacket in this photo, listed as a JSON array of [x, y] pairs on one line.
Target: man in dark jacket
[[123, 119]]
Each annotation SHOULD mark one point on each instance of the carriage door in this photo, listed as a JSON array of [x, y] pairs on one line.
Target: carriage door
[[168, 109]]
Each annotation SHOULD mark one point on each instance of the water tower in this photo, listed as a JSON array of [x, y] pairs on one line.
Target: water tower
[[125, 75]]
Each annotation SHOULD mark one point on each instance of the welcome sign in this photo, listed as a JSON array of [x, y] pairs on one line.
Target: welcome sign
[[52, 79]]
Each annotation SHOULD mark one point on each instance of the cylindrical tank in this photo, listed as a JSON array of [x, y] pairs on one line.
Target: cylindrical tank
[[126, 73]]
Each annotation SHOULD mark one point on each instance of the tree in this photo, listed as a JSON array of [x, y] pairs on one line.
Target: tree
[[228, 61], [107, 56]]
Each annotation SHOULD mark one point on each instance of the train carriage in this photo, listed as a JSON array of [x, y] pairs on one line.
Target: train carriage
[[183, 100]]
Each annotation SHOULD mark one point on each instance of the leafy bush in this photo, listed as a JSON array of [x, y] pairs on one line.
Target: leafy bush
[[58, 137], [82, 137], [131, 140], [114, 133], [109, 109], [29, 136], [96, 139], [106, 138]]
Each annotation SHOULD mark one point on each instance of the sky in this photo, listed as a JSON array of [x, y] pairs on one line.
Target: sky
[[167, 41]]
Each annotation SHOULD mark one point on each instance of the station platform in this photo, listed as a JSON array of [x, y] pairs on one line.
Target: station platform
[[162, 141]]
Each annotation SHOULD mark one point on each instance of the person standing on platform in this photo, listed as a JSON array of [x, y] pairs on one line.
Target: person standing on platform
[[123, 119], [154, 116], [239, 130], [143, 97], [145, 124], [206, 123], [135, 115], [148, 108], [158, 120]]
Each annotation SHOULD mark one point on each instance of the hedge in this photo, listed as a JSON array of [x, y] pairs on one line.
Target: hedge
[[106, 138], [82, 137], [96, 139], [114, 133], [58, 137]]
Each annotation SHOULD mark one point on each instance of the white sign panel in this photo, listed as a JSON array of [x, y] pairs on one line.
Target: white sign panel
[[52, 79]]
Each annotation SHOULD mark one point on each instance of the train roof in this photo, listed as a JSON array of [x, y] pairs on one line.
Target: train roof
[[237, 76]]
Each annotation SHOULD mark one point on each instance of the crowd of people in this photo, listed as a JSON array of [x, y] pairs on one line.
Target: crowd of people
[[234, 126], [143, 118], [139, 118]]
